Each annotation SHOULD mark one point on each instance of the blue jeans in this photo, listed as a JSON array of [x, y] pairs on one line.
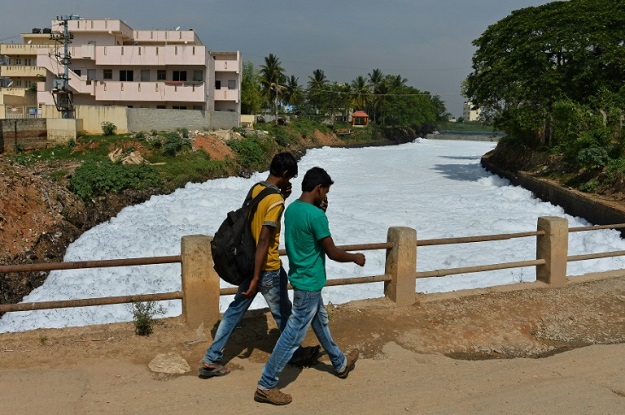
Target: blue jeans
[[273, 287], [307, 309]]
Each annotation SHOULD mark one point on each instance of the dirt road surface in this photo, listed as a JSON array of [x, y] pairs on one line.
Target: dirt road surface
[[495, 351]]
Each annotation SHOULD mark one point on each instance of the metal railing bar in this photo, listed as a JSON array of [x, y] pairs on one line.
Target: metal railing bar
[[598, 255], [484, 238], [479, 268], [105, 263], [176, 295]]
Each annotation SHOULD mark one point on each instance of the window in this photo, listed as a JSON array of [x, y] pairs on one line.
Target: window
[[18, 61], [126, 75], [217, 84], [232, 84], [27, 62], [160, 107], [107, 74], [161, 75], [78, 72], [179, 107], [198, 75], [145, 75], [180, 75], [90, 74]]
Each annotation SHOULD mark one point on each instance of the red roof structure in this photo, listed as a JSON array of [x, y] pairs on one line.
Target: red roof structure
[[360, 119]]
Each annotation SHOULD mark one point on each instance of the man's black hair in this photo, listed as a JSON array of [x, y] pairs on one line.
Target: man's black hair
[[283, 162], [314, 177]]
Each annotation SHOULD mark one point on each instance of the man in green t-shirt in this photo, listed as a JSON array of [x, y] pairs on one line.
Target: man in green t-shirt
[[308, 241]]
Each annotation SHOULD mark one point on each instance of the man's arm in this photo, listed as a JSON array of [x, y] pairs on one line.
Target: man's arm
[[337, 254], [262, 248]]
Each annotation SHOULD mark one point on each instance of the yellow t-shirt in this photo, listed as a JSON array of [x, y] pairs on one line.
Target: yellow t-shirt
[[268, 212]]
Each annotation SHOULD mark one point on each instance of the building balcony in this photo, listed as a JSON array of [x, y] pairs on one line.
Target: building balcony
[[21, 49], [194, 55], [225, 94], [163, 37], [112, 26], [149, 91], [22, 71], [227, 66]]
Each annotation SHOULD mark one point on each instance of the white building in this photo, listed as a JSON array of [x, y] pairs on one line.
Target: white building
[[113, 64], [468, 113]]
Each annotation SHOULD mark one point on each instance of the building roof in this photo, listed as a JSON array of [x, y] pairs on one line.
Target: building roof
[[360, 114]]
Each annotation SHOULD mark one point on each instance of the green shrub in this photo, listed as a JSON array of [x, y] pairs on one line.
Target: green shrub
[[253, 152], [97, 178], [108, 128], [143, 314], [173, 143], [184, 132], [593, 158]]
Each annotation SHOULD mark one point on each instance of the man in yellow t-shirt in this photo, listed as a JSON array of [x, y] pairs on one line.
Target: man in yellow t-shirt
[[269, 277]]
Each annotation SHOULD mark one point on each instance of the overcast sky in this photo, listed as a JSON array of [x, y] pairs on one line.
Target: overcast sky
[[426, 41]]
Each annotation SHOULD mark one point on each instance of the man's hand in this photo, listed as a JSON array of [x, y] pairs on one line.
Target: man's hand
[[359, 259], [324, 204], [286, 192], [252, 289]]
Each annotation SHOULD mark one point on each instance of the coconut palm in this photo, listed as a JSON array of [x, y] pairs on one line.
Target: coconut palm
[[360, 93], [272, 81], [293, 93], [318, 90], [376, 84]]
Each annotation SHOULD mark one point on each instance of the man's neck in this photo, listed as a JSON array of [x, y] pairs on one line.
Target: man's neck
[[307, 197], [273, 180]]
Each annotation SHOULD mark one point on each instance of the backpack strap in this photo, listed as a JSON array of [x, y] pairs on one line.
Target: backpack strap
[[251, 203]]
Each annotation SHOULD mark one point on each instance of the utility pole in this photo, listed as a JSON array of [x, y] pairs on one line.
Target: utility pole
[[61, 92]]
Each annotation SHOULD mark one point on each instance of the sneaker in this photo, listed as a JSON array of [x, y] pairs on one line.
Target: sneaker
[[351, 359], [273, 396]]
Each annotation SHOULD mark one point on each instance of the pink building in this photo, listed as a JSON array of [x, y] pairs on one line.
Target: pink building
[[113, 64]]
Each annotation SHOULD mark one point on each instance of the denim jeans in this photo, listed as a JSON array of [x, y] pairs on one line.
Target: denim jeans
[[307, 310], [273, 287]]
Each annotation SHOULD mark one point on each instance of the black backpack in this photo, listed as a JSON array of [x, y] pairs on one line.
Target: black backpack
[[233, 246]]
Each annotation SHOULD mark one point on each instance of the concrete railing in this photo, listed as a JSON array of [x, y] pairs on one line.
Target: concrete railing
[[201, 284]]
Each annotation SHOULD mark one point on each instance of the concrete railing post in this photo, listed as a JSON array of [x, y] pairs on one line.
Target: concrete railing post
[[401, 265], [553, 247], [200, 282]]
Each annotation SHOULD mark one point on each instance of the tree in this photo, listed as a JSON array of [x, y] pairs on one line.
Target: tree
[[537, 56], [360, 93], [317, 91], [376, 79], [272, 81], [251, 96], [293, 93]]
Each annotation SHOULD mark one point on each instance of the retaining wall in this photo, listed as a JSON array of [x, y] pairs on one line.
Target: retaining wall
[[574, 202]]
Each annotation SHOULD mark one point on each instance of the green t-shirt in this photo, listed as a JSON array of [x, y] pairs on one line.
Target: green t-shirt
[[305, 225]]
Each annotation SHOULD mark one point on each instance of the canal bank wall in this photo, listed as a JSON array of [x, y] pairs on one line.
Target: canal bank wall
[[593, 208]]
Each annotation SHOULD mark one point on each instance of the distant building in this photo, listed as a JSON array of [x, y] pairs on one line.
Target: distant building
[[468, 113], [113, 64]]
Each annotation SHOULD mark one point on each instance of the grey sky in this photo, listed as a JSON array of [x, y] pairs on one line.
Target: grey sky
[[426, 41]]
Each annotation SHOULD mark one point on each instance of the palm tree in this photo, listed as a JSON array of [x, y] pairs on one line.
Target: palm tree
[[360, 93], [293, 93], [272, 80], [317, 89], [376, 83]]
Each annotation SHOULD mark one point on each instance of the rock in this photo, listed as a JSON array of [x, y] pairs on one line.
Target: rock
[[170, 363]]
